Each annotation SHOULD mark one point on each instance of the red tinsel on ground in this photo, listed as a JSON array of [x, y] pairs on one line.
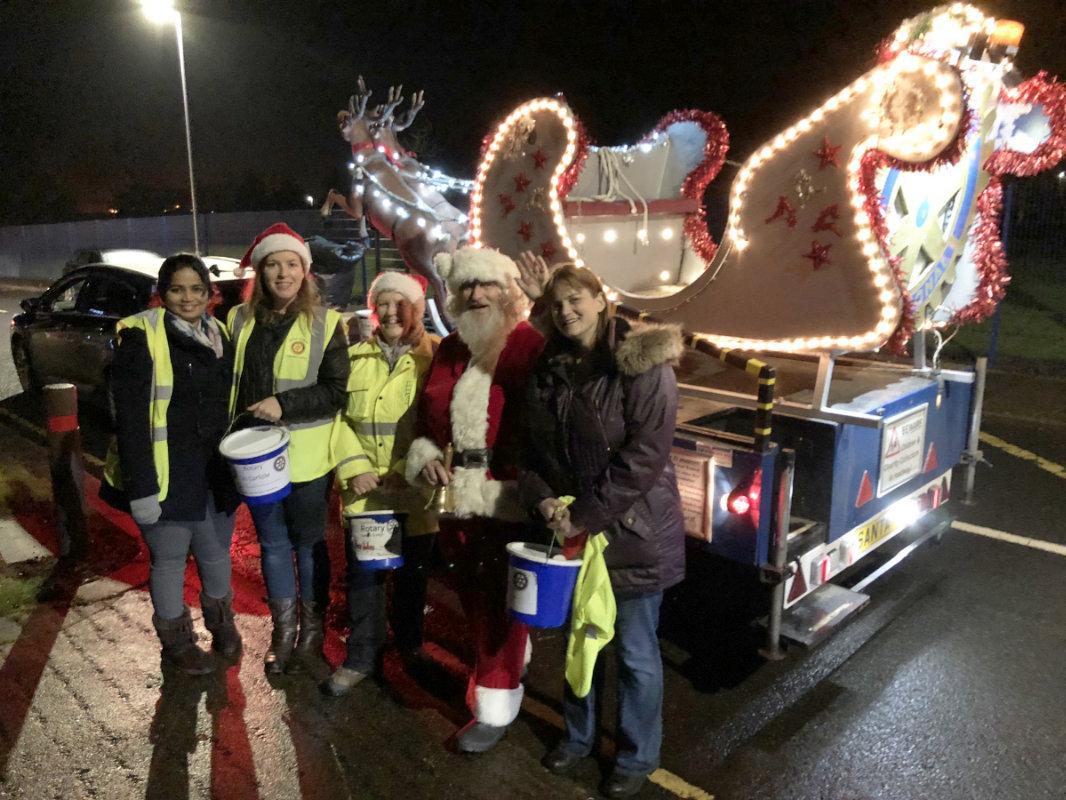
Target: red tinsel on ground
[[989, 255], [696, 182]]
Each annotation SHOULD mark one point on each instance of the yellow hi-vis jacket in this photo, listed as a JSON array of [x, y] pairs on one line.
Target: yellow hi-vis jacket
[[151, 322], [295, 366], [379, 425]]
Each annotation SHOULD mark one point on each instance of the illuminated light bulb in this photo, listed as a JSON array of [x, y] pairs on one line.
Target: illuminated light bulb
[[386, 203], [804, 125], [359, 190], [642, 236], [664, 276], [887, 296], [580, 262], [421, 222], [870, 250], [610, 236], [817, 115], [580, 238], [375, 193], [666, 234], [401, 212], [740, 243], [880, 279], [888, 313]]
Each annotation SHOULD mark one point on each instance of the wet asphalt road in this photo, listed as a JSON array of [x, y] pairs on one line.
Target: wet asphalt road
[[948, 685]]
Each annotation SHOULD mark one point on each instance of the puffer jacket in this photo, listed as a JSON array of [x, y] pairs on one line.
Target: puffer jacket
[[603, 434]]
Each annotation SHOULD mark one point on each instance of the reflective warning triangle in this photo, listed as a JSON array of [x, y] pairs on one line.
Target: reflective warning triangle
[[866, 490], [799, 584], [930, 458]]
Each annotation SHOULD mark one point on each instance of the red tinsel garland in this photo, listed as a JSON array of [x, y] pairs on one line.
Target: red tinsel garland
[[573, 172], [989, 254], [875, 160], [696, 182]]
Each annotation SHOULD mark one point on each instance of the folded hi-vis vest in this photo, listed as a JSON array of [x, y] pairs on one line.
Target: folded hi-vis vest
[[296, 366]]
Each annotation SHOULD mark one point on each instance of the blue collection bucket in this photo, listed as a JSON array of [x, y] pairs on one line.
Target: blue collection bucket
[[540, 588], [376, 538], [259, 460]]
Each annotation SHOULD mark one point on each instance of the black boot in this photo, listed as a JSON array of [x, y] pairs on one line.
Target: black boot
[[218, 618], [309, 644], [283, 612], [179, 645]]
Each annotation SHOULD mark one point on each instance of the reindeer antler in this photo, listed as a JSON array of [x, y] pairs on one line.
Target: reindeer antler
[[357, 102], [395, 98], [417, 101]]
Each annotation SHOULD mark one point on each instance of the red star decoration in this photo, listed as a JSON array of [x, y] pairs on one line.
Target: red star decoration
[[540, 158], [525, 230], [827, 154], [819, 255], [507, 204], [547, 250], [520, 182], [784, 209], [827, 220]]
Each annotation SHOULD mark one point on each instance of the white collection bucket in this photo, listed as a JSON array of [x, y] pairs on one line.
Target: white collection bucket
[[376, 538], [259, 459], [540, 587]]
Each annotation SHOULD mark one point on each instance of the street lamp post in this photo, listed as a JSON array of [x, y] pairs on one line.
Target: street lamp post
[[161, 12]]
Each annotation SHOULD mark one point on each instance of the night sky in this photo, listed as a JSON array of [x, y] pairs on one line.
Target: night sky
[[90, 99]]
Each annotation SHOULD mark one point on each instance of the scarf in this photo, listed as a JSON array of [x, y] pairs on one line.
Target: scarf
[[204, 331]]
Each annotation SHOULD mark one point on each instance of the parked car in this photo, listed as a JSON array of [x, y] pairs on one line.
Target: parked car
[[116, 258], [68, 333]]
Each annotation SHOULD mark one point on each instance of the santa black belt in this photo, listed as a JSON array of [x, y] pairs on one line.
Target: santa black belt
[[473, 458]]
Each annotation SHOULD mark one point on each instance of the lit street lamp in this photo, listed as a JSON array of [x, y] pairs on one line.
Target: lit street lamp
[[162, 12]]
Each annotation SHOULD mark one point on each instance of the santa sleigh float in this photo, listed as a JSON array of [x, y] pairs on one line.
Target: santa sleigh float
[[869, 223]]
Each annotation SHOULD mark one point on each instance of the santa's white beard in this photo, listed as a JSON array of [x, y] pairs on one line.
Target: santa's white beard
[[486, 330]]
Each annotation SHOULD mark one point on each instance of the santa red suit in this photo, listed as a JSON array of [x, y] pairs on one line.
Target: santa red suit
[[472, 399]]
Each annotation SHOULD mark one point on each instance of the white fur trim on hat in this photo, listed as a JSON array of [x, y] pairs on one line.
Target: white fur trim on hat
[[399, 282], [475, 264], [276, 242]]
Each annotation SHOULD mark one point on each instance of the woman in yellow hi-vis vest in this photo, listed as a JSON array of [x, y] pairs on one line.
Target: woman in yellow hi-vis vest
[[291, 367], [388, 371], [170, 380]]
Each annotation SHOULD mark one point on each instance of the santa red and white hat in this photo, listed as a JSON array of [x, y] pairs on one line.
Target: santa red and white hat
[[411, 287], [274, 239], [481, 264]]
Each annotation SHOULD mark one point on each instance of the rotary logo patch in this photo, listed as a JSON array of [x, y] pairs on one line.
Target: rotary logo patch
[[279, 463], [298, 348], [520, 581]]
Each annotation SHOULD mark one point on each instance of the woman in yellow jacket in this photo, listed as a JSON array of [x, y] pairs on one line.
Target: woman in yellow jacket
[[387, 373]]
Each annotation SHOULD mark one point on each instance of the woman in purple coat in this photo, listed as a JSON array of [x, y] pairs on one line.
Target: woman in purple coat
[[600, 424]]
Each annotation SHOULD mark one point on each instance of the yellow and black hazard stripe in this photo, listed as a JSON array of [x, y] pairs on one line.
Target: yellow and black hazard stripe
[[760, 370]]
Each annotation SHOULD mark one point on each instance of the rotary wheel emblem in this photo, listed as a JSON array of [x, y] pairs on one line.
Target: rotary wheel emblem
[[279, 463], [298, 348], [520, 581]]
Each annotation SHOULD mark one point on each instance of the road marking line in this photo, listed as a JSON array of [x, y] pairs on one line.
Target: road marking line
[[672, 783], [992, 533], [29, 426], [1057, 470]]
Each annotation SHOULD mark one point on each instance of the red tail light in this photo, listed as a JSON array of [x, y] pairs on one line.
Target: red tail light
[[744, 499]]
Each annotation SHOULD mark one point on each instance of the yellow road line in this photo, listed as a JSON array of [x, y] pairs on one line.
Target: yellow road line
[[29, 426], [1003, 536], [672, 783], [1057, 470]]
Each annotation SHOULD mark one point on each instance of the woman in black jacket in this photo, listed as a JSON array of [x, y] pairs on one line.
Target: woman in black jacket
[[291, 367], [600, 420], [169, 382]]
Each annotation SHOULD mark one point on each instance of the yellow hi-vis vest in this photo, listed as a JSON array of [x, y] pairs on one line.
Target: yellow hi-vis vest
[[151, 322], [295, 366], [378, 425]]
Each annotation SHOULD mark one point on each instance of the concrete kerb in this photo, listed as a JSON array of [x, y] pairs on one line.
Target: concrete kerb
[[23, 285]]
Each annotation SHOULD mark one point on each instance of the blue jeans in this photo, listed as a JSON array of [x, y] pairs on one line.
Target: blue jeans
[[640, 690], [296, 525], [169, 544]]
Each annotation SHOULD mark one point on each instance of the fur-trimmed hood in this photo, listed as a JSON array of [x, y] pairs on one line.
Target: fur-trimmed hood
[[639, 346]]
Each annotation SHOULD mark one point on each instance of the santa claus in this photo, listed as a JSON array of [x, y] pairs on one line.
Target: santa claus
[[472, 401]]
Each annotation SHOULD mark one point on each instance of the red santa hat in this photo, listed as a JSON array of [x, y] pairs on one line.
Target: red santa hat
[[274, 239], [412, 287], [481, 264]]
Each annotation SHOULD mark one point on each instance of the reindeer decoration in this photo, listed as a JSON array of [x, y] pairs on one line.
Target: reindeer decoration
[[392, 189]]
